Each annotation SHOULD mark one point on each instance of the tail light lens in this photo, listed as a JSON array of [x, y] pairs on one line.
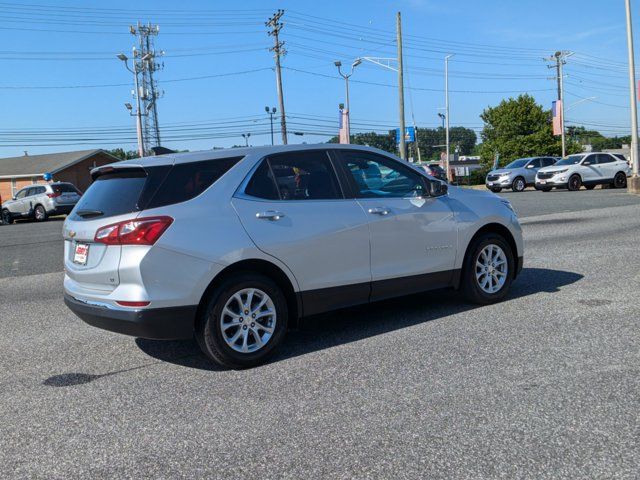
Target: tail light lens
[[54, 194], [140, 231]]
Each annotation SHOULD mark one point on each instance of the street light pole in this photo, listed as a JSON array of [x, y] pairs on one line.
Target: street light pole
[[446, 107], [138, 113], [635, 161], [271, 112], [246, 138], [338, 64]]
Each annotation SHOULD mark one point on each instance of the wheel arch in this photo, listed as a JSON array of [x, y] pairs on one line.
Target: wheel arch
[[265, 268], [498, 229]]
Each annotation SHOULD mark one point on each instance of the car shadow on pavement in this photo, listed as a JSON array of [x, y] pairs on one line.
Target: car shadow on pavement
[[349, 325]]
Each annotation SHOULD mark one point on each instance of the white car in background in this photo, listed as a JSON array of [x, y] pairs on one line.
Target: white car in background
[[41, 201], [588, 169]]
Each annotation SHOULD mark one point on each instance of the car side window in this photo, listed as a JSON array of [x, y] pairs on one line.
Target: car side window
[[604, 158], [591, 159], [547, 162], [304, 175], [375, 176], [22, 193], [262, 184], [535, 163]]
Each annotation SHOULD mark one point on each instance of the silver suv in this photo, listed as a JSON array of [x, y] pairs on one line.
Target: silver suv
[[41, 201], [518, 175], [234, 246]]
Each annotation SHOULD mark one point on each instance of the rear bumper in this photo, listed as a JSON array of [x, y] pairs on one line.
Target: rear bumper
[[172, 323]]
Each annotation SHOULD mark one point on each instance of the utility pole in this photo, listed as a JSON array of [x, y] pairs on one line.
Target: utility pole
[[559, 59], [446, 114], [275, 25], [271, 112], [145, 63], [634, 185], [402, 146]]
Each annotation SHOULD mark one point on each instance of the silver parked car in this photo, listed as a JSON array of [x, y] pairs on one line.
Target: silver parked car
[[518, 175], [209, 244], [40, 201]]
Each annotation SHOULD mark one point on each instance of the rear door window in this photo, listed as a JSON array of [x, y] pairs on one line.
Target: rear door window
[[64, 188], [604, 158]]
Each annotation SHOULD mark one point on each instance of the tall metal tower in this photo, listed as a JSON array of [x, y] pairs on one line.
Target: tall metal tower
[[147, 65]]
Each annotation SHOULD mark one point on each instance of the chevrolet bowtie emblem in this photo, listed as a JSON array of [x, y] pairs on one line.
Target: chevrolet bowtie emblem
[[72, 233]]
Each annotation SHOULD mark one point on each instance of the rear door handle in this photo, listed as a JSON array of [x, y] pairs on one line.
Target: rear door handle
[[272, 215], [379, 210]]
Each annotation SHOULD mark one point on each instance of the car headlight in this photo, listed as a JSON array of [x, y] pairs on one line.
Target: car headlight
[[507, 204], [561, 171]]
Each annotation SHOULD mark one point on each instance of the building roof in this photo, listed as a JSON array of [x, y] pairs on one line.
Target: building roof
[[36, 165]]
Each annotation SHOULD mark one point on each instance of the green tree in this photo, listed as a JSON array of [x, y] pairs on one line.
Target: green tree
[[386, 142], [123, 154], [520, 128]]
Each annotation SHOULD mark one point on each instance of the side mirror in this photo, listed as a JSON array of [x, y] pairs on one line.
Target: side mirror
[[586, 162], [13, 198], [530, 165], [437, 188]]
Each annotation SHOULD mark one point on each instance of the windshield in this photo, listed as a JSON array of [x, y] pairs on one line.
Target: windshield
[[521, 162], [570, 160]]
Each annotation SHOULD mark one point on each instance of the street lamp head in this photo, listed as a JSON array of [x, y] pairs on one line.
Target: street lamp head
[[273, 110], [357, 62], [123, 57], [128, 106], [338, 63], [266, 109]]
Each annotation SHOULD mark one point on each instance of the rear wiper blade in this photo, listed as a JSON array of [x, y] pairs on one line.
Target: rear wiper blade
[[90, 213]]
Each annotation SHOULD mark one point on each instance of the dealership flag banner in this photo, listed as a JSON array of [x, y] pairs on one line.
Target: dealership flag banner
[[556, 110]]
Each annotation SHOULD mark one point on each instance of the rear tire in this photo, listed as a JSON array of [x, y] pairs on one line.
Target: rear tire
[[620, 180], [589, 187], [518, 184], [485, 285], [496, 190], [39, 213], [235, 329], [6, 217], [574, 183]]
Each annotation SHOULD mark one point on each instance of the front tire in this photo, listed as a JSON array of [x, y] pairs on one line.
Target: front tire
[[243, 321], [6, 217], [39, 213], [574, 183], [488, 269], [518, 184]]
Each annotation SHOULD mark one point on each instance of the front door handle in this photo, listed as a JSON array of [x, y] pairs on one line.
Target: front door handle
[[272, 215], [379, 210]]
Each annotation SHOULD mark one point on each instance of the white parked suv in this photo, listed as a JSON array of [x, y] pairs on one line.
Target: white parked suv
[[40, 201], [588, 169], [234, 246]]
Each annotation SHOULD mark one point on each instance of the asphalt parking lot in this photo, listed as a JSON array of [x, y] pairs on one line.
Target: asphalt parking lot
[[543, 385]]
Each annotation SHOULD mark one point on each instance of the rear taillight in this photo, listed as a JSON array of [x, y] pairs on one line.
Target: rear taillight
[[54, 194], [141, 231]]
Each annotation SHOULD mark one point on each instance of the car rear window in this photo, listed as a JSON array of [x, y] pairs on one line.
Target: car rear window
[[130, 190], [64, 188]]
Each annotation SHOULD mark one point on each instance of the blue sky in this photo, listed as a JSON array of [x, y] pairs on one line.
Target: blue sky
[[498, 45]]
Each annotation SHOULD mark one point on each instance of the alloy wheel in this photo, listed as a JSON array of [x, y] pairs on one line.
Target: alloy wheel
[[248, 320], [39, 213], [620, 180], [491, 268]]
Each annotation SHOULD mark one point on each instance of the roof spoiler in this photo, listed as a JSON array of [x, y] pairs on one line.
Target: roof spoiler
[[114, 168]]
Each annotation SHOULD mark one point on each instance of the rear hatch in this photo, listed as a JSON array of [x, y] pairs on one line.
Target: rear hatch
[[117, 194], [64, 194]]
